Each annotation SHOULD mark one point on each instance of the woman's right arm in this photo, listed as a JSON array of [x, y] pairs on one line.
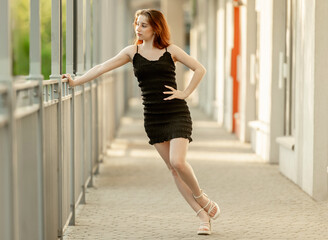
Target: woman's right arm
[[120, 59]]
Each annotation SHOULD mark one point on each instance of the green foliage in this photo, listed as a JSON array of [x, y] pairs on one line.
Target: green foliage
[[20, 12], [20, 36], [45, 12]]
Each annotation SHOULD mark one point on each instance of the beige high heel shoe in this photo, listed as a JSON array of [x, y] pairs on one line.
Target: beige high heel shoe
[[213, 206], [204, 227]]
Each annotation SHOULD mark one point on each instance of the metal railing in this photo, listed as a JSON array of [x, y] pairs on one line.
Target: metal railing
[[86, 129], [52, 137]]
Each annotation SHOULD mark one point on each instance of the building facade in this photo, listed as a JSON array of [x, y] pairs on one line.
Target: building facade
[[266, 80]]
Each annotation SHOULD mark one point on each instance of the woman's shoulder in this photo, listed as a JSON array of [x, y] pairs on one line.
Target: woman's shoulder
[[173, 48], [130, 50], [175, 51]]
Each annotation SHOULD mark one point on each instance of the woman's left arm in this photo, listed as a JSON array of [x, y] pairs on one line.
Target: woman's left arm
[[199, 71]]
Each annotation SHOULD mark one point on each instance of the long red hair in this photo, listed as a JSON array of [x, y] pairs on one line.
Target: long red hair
[[158, 23]]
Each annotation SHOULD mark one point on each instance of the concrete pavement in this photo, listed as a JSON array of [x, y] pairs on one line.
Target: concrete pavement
[[135, 196]]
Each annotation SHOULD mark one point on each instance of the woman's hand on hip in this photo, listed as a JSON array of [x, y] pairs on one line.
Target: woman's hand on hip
[[175, 93]]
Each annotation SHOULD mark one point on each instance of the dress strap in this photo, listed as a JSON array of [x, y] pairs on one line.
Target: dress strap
[[166, 49], [137, 48]]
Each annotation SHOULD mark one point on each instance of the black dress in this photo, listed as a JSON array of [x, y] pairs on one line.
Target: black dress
[[164, 119]]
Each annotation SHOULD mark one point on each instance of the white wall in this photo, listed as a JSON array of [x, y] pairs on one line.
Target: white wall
[[265, 65], [310, 71], [173, 11], [220, 63], [311, 148], [202, 50], [306, 76], [247, 48], [270, 122], [229, 23], [320, 169], [211, 56]]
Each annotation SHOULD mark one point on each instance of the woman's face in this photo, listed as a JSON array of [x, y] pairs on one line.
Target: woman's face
[[143, 29]]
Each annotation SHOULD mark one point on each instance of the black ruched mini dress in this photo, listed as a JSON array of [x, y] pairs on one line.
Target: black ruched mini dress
[[163, 119]]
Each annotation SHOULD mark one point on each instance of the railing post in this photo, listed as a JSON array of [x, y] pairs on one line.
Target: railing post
[[87, 128], [96, 14], [10, 225], [56, 66], [35, 75], [78, 10], [88, 60], [69, 69], [56, 39]]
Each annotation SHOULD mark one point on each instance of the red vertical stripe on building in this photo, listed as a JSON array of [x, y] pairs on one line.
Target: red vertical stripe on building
[[234, 54]]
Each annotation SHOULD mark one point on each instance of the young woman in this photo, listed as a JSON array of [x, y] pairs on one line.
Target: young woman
[[167, 118]]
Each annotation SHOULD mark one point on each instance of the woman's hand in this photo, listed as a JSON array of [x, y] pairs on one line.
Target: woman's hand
[[69, 79], [175, 94]]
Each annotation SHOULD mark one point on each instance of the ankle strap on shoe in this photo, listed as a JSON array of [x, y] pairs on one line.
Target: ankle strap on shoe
[[202, 209], [209, 201], [201, 194]]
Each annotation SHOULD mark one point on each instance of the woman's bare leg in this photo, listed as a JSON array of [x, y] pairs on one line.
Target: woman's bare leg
[[178, 152], [164, 151]]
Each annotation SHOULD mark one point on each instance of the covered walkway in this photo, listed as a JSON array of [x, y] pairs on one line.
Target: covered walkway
[[260, 122], [134, 196]]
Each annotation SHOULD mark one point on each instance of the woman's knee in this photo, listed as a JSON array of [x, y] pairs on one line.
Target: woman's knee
[[177, 164], [174, 173]]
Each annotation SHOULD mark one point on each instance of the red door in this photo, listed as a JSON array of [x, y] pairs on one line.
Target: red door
[[234, 55]]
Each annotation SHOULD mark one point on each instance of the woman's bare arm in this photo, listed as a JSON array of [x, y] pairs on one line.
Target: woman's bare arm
[[120, 59], [199, 71]]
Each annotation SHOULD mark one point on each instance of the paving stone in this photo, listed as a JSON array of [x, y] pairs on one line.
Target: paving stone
[[135, 196]]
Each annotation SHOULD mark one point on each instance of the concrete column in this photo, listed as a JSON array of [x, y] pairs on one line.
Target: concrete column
[[228, 79], [320, 158], [211, 57], [270, 122], [277, 94], [202, 49], [304, 55], [194, 45], [306, 164], [119, 75], [220, 63], [314, 129], [247, 52], [173, 12]]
